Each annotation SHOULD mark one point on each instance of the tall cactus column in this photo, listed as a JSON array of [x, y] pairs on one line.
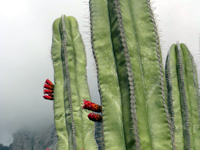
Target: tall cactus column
[[183, 97], [130, 75], [75, 131], [59, 109]]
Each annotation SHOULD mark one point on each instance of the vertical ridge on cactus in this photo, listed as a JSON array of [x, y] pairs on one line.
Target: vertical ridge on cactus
[[183, 97], [69, 116], [59, 108]]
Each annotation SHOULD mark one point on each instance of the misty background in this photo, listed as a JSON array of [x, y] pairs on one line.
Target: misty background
[[25, 53]]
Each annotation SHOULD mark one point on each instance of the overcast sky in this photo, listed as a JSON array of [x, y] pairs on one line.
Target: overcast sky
[[25, 59]]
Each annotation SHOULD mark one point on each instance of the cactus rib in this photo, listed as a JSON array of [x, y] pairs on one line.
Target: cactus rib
[[99, 126], [184, 104], [159, 56], [58, 103], [128, 69], [67, 77]]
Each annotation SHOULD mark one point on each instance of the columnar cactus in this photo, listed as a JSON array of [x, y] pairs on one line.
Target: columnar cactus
[[130, 74], [133, 114], [183, 97], [74, 130]]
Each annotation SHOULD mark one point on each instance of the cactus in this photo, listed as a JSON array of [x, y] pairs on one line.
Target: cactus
[[183, 97], [73, 128], [134, 94], [130, 74]]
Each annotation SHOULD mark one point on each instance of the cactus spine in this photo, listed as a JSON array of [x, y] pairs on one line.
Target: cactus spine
[[183, 97]]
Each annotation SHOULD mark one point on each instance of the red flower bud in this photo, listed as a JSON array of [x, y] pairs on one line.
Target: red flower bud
[[95, 117], [50, 94], [48, 97], [47, 91], [92, 106], [48, 87], [49, 82]]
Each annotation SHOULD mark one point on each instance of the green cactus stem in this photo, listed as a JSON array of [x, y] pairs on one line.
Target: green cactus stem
[[183, 97], [131, 80], [74, 130]]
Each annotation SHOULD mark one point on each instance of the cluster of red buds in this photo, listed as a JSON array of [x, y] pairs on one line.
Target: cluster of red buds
[[48, 89], [94, 107]]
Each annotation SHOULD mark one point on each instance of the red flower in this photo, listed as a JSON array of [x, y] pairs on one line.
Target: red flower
[[95, 117], [48, 97], [50, 94], [91, 106], [49, 82], [48, 89]]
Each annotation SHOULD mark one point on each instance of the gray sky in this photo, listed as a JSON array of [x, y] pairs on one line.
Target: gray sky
[[25, 59]]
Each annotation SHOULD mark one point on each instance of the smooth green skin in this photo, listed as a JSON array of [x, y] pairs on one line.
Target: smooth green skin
[[116, 42], [180, 92], [74, 87], [58, 103]]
